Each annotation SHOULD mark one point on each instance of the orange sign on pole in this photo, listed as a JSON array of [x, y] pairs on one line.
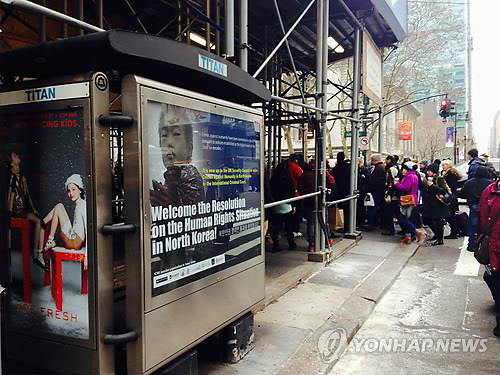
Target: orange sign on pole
[[405, 130]]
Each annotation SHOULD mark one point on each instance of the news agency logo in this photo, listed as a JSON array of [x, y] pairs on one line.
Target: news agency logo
[[332, 343]]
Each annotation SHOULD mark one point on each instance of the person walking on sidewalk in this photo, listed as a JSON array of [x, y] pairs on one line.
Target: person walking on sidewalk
[[408, 192], [452, 176], [474, 163], [472, 191], [435, 211], [489, 210]]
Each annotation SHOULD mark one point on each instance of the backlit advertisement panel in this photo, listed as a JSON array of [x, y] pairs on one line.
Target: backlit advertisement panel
[[204, 193]]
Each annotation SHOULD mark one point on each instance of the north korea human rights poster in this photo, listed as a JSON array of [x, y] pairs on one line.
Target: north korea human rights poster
[[204, 193]]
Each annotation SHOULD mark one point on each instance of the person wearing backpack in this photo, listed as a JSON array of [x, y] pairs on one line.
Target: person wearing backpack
[[489, 224]]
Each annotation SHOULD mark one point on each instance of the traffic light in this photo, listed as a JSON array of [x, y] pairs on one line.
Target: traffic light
[[451, 110], [444, 108]]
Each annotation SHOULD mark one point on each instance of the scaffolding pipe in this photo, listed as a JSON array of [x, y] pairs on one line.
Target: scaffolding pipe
[[244, 35], [43, 31], [207, 36], [313, 108], [283, 39], [81, 13], [229, 28], [324, 106], [380, 129], [28, 5], [354, 140], [100, 13], [319, 110]]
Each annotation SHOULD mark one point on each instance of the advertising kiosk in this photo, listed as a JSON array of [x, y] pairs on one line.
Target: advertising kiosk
[[192, 211]]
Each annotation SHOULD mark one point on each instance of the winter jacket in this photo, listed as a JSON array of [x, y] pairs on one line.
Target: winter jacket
[[307, 185], [474, 187], [377, 183], [409, 185], [474, 164], [452, 176], [341, 173], [489, 206], [433, 207]]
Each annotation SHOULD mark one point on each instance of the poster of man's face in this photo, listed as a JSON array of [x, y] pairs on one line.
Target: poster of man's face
[[200, 165]]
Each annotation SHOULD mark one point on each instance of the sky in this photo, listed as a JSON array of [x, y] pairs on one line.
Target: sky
[[485, 29]]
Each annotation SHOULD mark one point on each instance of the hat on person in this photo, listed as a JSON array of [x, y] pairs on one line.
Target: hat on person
[[485, 155], [434, 168], [409, 165], [74, 179]]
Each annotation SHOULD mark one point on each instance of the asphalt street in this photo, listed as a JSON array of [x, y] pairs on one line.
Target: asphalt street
[[437, 318]]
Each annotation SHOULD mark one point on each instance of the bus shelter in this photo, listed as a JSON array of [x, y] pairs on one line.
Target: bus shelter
[[118, 161]]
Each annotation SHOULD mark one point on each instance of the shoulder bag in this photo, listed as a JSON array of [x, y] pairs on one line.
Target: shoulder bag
[[482, 254]]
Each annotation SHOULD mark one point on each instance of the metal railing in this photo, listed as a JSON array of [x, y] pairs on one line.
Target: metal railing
[[350, 197], [269, 205], [328, 204]]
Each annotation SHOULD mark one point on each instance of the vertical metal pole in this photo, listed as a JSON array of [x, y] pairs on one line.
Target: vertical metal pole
[[208, 36], [380, 129], [355, 126], [188, 25], [2, 290], [324, 106], [65, 11], [319, 87], [43, 31], [100, 14], [217, 32], [229, 28], [455, 150], [179, 19], [244, 35], [81, 14]]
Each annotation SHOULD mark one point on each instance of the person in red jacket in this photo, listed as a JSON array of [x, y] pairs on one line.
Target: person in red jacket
[[489, 209]]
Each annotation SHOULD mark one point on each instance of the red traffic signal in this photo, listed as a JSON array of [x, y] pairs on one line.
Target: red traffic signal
[[444, 108]]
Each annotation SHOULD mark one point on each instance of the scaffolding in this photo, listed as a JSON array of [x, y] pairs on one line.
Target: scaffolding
[[286, 48]]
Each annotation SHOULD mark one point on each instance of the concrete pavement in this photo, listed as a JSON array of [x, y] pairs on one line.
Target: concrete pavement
[[289, 333]]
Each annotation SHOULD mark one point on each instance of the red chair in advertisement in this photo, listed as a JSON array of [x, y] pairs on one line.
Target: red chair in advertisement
[[25, 228], [58, 256]]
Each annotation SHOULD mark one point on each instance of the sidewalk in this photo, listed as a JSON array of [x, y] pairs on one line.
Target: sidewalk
[[290, 333]]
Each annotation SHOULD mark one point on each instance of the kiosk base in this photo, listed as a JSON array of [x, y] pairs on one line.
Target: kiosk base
[[238, 338], [186, 364]]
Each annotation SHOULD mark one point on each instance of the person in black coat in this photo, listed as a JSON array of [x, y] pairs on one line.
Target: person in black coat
[[452, 176], [434, 209], [472, 191], [341, 174], [376, 186]]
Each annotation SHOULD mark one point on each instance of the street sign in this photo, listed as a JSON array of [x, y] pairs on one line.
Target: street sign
[[348, 133], [364, 142]]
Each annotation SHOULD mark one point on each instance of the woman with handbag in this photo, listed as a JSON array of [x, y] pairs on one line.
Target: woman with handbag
[[489, 229], [408, 192], [435, 209]]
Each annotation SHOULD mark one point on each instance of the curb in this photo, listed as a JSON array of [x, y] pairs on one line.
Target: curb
[[337, 332]]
